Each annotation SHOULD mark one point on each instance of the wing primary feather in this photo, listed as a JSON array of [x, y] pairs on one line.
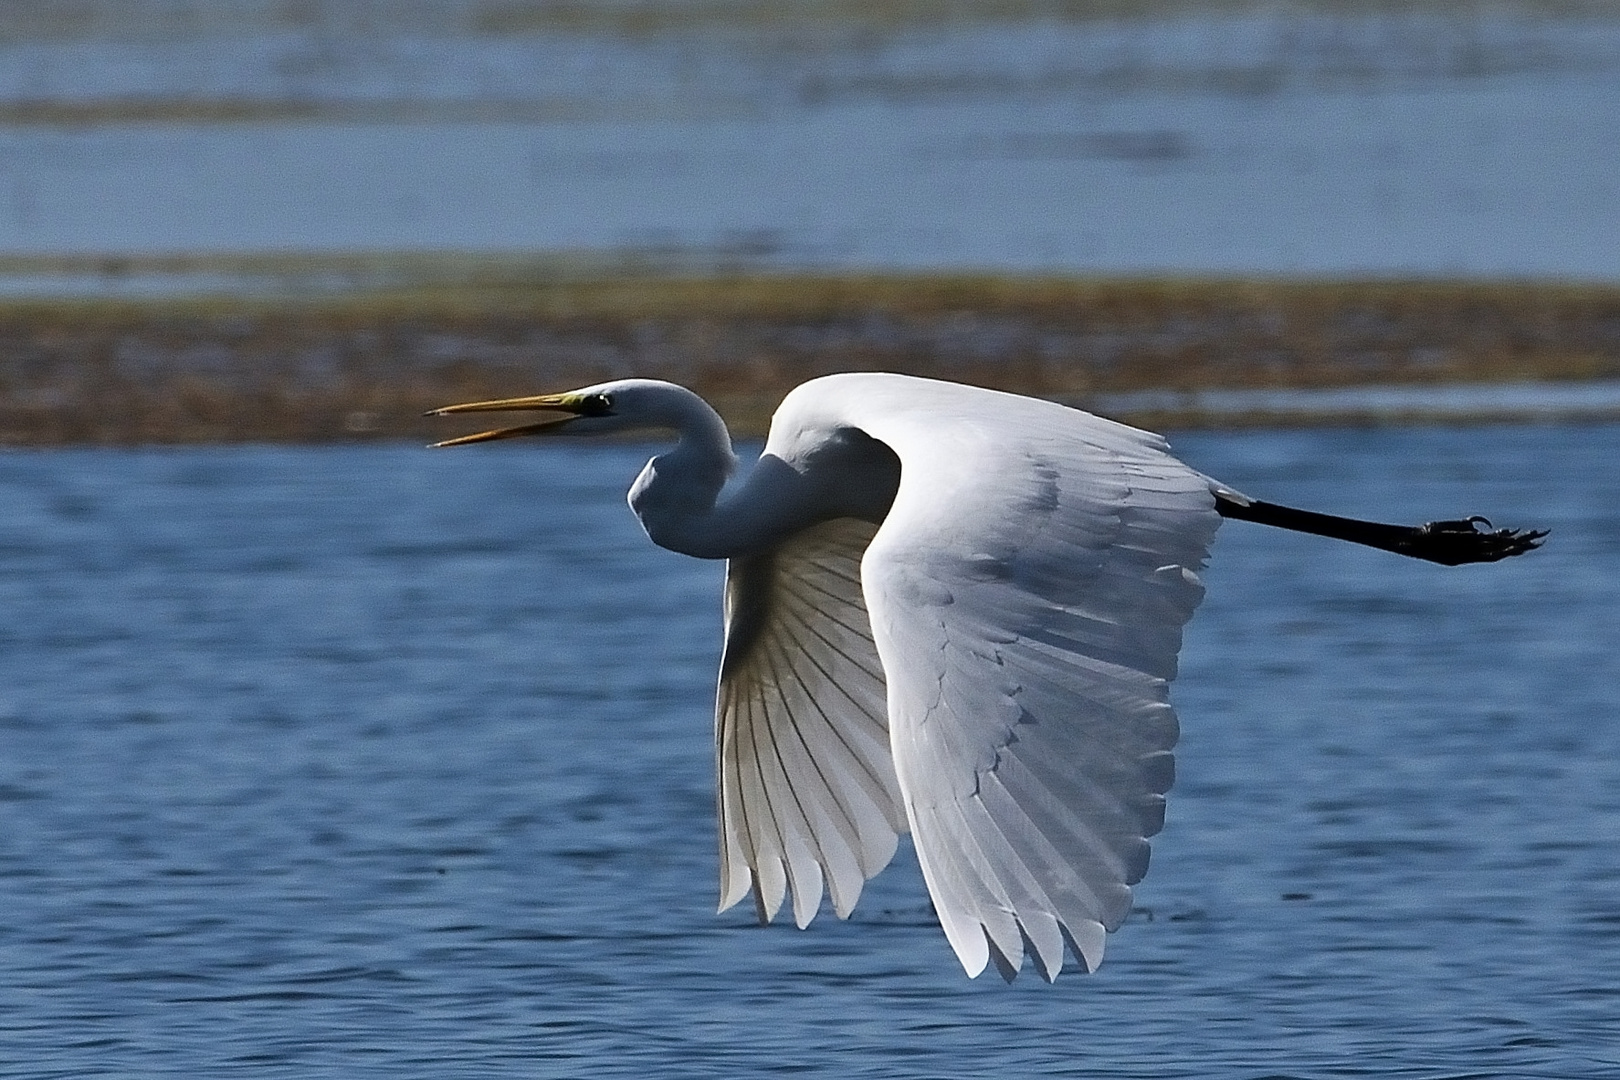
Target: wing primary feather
[[848, 816], [855, 661], [846, 822], [1036, 911], [958, 842], [736, 881], [733, 881], [837, 732], [771, 876], [807, 800], [1032, 905], [804, 902], [946, 884], [1087, 941], [875, 846], [842, 601], [1040, 841], [754, 846], [1081, 814], [809, 628]]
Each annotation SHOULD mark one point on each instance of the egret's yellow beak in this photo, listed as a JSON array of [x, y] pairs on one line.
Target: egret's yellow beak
[[565, 407]]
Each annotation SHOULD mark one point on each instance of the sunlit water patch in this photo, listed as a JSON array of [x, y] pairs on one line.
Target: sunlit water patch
[[354, 762]]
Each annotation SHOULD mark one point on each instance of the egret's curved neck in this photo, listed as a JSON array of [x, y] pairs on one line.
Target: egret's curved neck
[[837, 473], [675, 494]]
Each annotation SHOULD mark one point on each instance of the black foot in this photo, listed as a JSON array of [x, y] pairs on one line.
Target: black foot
[[1452, 543]]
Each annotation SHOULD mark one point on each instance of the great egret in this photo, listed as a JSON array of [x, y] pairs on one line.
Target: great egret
[[953, 611]]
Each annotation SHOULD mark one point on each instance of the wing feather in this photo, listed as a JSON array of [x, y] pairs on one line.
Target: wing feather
[[808, 798], [1027, 594], [840, 811], [786, 813]]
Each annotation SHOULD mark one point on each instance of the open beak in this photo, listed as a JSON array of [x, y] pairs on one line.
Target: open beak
[[563, 407]]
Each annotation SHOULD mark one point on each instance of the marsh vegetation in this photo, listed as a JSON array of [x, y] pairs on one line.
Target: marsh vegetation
[[366, 365]]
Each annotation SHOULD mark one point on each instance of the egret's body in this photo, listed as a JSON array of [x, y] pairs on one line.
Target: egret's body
[[953, 612]]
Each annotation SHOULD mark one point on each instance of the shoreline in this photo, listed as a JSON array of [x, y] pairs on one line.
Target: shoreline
[[302, 365]]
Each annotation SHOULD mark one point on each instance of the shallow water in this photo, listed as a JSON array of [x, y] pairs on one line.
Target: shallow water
[[1479, 142], [361, 762]]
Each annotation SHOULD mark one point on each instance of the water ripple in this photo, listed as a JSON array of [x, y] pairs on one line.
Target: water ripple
[[368, 762]]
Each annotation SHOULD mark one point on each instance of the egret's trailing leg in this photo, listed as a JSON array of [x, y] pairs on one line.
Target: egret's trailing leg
[[1450, 543]]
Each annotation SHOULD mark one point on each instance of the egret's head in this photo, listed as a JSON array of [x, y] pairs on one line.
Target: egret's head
[[596, 410]]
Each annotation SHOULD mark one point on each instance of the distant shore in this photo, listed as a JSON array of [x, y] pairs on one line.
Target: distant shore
[[311, 367]]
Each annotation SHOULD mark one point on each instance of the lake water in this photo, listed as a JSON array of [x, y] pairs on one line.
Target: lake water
[[1271, 140], [372, 762]]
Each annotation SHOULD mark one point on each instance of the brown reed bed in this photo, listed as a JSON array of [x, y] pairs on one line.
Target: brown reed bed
[[366, 366]]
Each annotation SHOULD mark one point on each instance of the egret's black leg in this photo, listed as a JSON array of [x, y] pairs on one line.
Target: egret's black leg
[[1450, 543]]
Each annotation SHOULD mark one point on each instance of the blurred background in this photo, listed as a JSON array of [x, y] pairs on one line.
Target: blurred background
[[295, 219], [353, 760]]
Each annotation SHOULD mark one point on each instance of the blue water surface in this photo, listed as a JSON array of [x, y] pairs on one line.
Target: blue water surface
[[367, 761], [1394, 139]]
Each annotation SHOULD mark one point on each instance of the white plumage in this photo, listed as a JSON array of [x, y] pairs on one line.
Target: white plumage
[[1027, 591], [953, 611]]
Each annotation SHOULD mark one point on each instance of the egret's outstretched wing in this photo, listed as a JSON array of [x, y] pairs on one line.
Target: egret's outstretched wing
[[1028, 591], [806, 781]]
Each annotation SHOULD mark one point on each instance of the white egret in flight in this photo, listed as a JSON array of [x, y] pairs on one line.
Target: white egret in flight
[[950, 611]]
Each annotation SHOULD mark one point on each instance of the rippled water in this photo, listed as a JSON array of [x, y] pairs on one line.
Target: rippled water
[[370, 761]]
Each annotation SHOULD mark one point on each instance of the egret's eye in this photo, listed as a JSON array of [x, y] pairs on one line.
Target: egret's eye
[[596, 405]]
